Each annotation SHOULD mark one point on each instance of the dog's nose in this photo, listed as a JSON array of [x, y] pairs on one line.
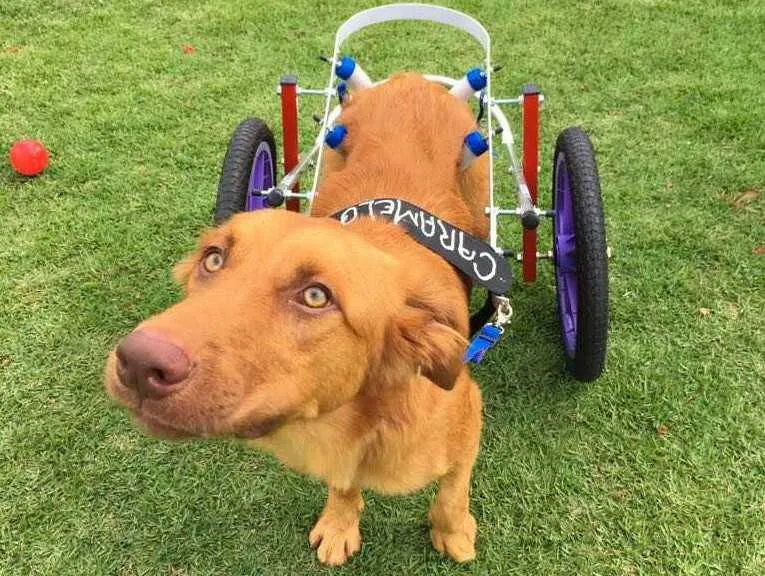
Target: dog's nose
[[151, 365]]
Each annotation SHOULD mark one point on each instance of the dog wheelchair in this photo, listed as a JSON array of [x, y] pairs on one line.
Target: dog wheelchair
[[579, 252]]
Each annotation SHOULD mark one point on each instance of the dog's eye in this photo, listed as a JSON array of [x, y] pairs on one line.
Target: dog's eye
[[316, 296], [213, 260]]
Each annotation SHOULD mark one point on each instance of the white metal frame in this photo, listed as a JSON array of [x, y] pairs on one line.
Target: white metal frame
[[430, 13]]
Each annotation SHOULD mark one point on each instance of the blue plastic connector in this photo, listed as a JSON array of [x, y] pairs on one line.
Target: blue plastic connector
[[476, 79], [476, 143], [335, 137], [345, 67]]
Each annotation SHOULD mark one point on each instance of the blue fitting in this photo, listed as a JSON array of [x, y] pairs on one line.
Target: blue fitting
[[335, 137], [476, 143], [476, 79], [345, 67], [342, 91]]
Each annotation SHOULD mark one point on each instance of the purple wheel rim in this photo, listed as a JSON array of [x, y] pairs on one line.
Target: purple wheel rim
[[261, 177], [565, 255]]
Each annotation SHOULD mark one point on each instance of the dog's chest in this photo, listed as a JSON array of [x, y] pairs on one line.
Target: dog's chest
[[389, 460], [324, 451]]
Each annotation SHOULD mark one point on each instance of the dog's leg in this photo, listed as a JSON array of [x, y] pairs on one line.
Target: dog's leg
[[453, 527], [336, 533]]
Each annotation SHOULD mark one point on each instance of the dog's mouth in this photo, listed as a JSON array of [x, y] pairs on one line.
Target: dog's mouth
[[258, 429], [156, 427]]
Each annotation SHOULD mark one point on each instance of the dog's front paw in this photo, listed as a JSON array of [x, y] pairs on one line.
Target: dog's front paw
[[336, 540], [458, 544]]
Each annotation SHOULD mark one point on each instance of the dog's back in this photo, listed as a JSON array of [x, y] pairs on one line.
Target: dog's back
[[405, 141]]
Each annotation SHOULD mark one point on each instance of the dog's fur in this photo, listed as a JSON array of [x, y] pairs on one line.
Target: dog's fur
[[369, 392]]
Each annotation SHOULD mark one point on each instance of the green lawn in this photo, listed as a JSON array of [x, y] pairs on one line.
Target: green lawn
[[657, 468]]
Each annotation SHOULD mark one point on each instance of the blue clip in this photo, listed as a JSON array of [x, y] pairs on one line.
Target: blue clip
[[485, 340]]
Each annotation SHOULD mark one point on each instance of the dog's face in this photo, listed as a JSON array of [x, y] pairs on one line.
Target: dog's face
[[287, 317]]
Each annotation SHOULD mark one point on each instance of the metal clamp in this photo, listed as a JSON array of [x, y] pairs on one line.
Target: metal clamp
[[504, 311]]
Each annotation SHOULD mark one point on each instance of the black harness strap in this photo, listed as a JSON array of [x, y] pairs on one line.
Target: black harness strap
[[470, 255], [482, 316]]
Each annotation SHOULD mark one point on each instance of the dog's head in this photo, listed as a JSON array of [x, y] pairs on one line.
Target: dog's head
[[288, 317]]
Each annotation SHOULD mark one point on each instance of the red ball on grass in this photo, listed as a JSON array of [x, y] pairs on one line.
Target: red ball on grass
[[28, 157]]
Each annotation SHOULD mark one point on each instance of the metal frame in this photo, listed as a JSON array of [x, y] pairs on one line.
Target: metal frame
[[530, 101]]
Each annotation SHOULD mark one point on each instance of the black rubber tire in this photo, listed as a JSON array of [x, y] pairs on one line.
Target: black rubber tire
[[237, 165], [591, 254]]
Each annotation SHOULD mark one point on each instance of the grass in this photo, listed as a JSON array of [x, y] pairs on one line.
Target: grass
[[657, 468]]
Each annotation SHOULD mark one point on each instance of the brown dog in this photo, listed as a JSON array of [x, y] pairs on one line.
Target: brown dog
[[337, 349]]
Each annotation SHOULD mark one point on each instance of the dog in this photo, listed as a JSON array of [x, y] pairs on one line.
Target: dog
[[336, 348]]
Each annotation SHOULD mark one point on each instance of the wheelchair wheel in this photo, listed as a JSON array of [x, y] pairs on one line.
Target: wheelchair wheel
[[580, 254], [248, 167]]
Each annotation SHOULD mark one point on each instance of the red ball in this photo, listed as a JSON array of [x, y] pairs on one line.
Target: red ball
[[28, 157]]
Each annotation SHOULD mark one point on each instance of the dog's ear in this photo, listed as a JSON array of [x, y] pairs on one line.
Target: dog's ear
[[428, 342]]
